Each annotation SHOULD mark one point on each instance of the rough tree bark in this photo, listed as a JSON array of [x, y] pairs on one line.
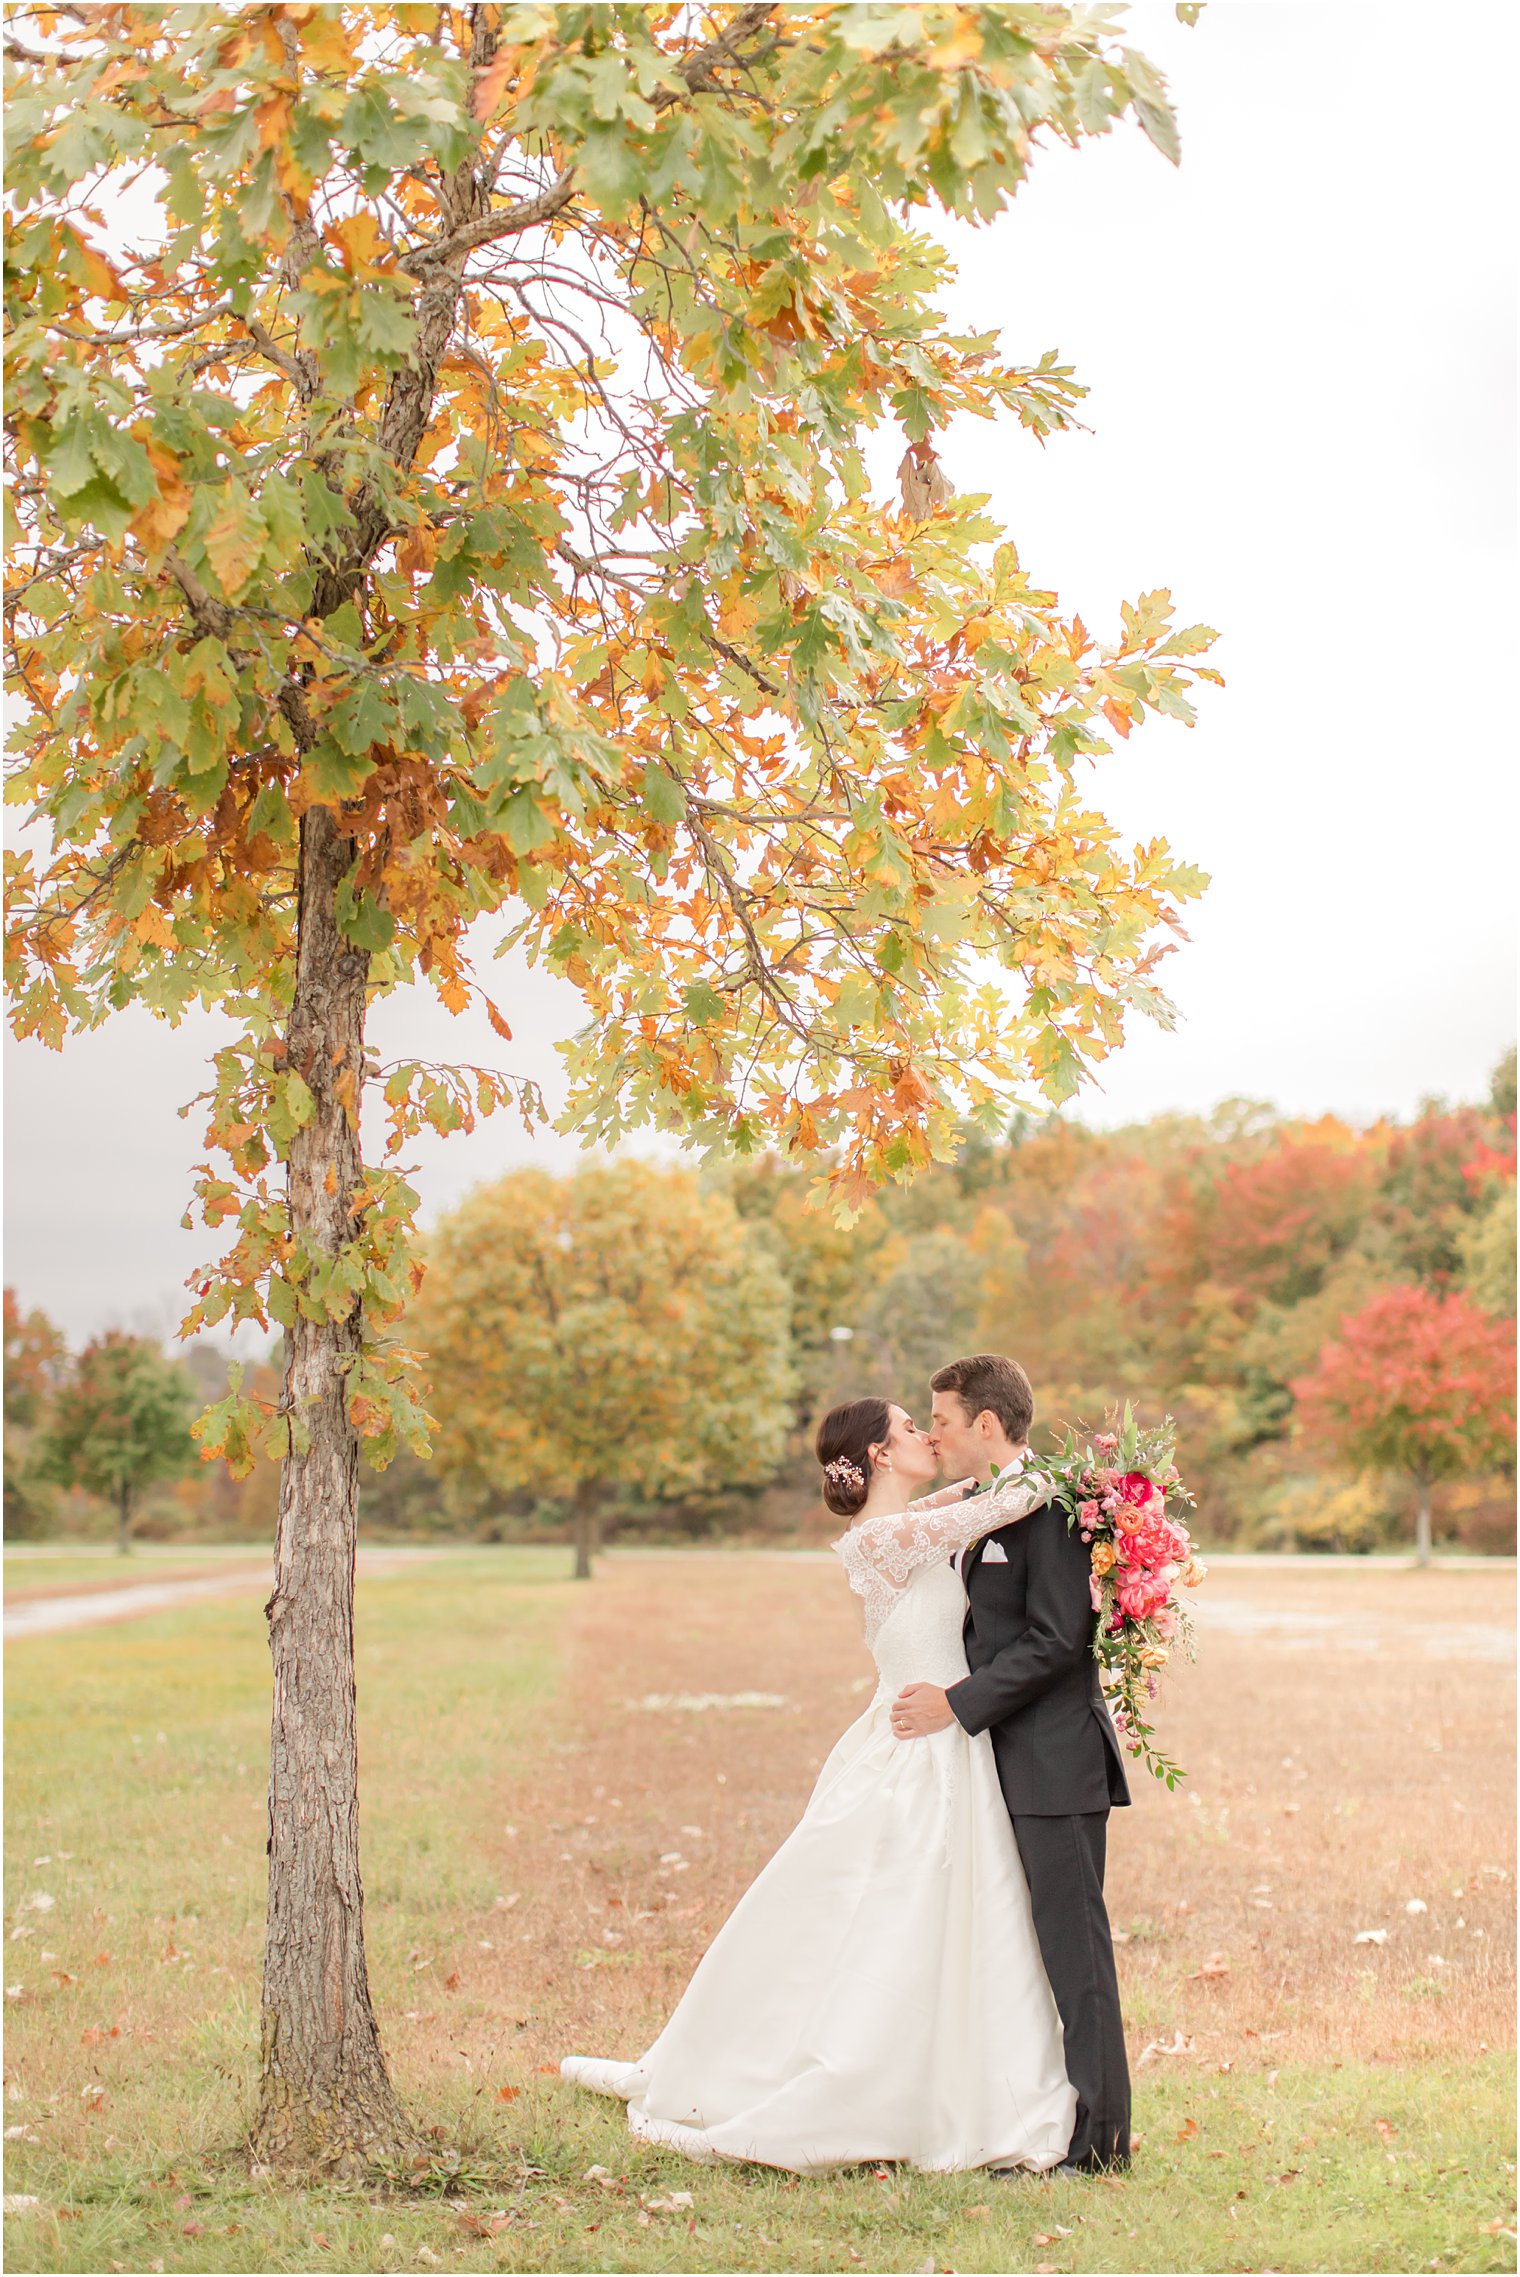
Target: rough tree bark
[[325, 2098], [586, 1521], [1422, 1522], [124, 1521]]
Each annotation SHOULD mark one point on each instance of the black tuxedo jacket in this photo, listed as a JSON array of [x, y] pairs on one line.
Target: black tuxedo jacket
[[1034, 1683]]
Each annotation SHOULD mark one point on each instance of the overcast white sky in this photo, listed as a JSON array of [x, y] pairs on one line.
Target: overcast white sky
[[1300, 349]]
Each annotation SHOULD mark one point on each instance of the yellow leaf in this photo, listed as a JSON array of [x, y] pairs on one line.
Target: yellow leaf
[[418, 550], [273, 121], [158, 523], [360, 245], [491, 84], [99, 276], [235, 541]]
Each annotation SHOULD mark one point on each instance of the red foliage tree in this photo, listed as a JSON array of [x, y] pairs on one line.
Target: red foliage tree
[[1415, 1382], [1276, 1222]]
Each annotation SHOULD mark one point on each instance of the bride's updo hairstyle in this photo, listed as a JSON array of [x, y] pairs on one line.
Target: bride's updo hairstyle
[[845, 1437]]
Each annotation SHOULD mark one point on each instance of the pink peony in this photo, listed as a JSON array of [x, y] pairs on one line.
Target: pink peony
[[1140, 1593], [1089, 1513], [1154, 1542]]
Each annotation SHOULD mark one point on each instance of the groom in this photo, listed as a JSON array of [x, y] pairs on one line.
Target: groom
[[1034, 1686]]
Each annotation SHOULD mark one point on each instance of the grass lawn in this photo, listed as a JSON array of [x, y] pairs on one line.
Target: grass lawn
[[547, 1853], [60, 1575]]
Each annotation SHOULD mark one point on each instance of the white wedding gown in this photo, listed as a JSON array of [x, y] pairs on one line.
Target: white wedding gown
[[878, 1992]]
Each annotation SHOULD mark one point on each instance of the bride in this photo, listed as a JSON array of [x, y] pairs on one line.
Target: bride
[[878, 1992]]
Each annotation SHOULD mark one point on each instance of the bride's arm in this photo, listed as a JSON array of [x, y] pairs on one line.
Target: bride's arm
[[897, 1543], [946, 1495]]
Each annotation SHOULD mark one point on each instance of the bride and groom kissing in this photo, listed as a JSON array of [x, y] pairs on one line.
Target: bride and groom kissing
[[924, 1972]]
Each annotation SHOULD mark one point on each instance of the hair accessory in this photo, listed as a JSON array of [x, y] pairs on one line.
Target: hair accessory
[[842, 1472]]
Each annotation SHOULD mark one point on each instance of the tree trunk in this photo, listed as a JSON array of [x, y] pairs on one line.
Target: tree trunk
[[1422, 1522], [325, 2098], [587, 1526], [124, 1521]]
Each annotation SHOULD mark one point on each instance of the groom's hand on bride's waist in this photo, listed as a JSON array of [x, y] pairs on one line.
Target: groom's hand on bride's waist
[[920, 1709]]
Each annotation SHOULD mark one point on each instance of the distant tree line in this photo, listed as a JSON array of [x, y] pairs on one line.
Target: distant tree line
[[1329, 1311]]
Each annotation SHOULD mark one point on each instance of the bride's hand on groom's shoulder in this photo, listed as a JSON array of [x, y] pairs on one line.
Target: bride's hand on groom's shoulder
[[945, 1495]]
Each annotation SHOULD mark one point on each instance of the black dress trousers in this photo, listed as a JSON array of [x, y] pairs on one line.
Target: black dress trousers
[[1063, 1864]]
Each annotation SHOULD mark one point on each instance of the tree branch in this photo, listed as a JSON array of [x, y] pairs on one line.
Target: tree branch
[[699, 72]]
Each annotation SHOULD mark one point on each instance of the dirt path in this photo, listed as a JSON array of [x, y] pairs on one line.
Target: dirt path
[[85, 1608]]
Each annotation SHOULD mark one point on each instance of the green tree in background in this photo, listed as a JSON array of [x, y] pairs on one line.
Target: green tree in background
[[614, 1330], [119, 1421], [1488, 1254]]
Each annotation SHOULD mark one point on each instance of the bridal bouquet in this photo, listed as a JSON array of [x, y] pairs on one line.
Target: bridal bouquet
[[1123, 1494]]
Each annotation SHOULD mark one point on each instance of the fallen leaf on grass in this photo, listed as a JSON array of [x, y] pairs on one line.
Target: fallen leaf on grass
[[1501, 2228], [198, 2229], [1370, 1937], [977, 2213], [1217, 1965], [451, 1981], [1180, 2044], [508, 2094], [485, 2225], [554, 2068], [1388, 2133], [1187, 2130]]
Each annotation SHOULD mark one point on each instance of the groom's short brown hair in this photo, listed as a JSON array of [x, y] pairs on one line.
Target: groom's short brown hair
[[990, 1380]]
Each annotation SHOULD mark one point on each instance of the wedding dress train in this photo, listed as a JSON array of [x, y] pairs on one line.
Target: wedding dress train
[[878, 1992]]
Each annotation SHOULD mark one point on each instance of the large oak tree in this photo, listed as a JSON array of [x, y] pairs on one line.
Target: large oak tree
[[437, 440]]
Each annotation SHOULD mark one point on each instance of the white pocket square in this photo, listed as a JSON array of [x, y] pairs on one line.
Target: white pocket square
[[994, 1554]]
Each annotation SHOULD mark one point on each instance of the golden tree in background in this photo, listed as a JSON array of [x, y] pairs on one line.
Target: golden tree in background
[[614, 1330]]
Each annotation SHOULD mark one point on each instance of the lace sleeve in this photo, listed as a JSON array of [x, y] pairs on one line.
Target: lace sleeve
[[887, 1551]]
